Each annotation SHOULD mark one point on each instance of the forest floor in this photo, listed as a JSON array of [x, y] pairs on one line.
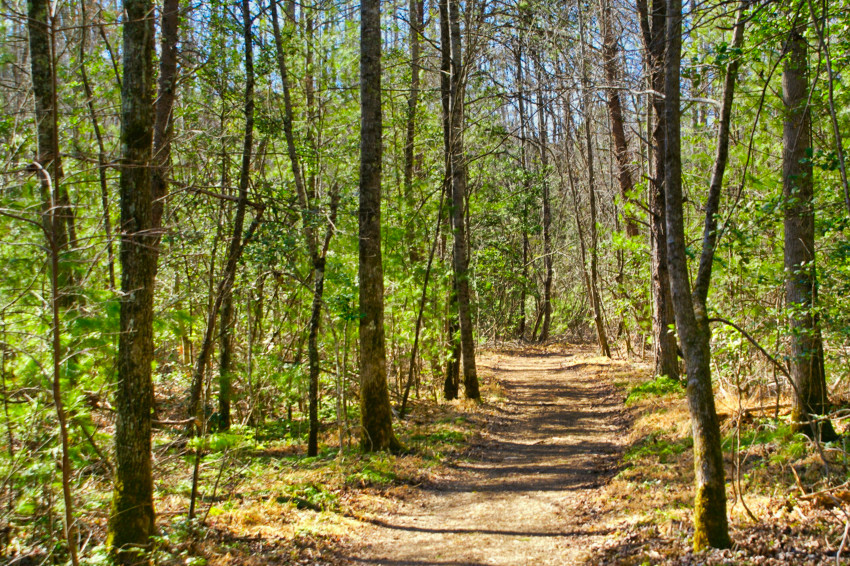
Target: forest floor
[[526, 490]]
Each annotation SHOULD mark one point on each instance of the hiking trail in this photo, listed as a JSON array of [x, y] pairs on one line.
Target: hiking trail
[[526, 491]]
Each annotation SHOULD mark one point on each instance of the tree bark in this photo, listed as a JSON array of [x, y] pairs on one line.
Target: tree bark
[[806, 364], [49, 219], [653, 28], [710, 522], [610, 61], [164, 120], [451, 385], [546, 212], [41, 31], [375, 412], [459, 178], [234, 251], [317, 255], [415, 11], [131, 521], [526, 185], [712, 204]]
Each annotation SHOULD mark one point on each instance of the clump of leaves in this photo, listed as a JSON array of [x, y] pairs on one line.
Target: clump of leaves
[[782, 443], [661, 385], [654, 445], [309, 496], [378, 471]]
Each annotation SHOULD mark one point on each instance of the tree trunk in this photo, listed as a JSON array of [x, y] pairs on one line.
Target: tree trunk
[[710, 522], [415, 11], [526, 185], [375, 412], [49, 219], [234, 250], [595, 299], [225, 361], [423, 297], [451, 386], [547, 213], [610, 61], [317, 256], [131, 521], [665, 350], [164, 121], [807, 368], [459, 178], [41, 30], [235, 247]]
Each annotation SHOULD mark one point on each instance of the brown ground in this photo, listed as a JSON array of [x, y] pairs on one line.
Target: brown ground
[[526, 492]]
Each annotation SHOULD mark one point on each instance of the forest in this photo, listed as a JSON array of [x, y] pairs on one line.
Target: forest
[[424, 282]]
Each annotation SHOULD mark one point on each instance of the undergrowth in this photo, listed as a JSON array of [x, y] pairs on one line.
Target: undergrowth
[[261, 500], [661, 385], [777, 473]]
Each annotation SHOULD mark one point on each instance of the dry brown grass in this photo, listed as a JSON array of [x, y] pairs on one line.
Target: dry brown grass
[[652, 495]]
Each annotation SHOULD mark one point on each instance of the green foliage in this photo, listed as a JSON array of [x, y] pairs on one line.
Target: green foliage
[[376, 470], [660, 385], [656, 445], [783, 445], [310, 496], [236, 438], [443, 436]]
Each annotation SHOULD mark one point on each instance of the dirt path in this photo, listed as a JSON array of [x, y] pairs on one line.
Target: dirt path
[[527, 492]]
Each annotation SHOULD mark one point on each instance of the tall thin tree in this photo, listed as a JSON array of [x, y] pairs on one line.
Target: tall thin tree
[[711, 526], [131, 520], [654, 33], [807, 367], [611, 64], [375, 412], [459, 189]]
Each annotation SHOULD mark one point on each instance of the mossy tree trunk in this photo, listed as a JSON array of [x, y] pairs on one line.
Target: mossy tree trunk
[[131, 521], [375, 412], [711, 527], [807, 367]]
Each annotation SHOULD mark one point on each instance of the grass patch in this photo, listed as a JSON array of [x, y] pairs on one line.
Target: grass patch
[[378, 470], [776, 440], [443, 436], [656, 446], [309, 496], [661, 385]]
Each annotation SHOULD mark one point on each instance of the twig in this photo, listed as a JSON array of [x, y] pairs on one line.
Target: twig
[[816, 494]]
